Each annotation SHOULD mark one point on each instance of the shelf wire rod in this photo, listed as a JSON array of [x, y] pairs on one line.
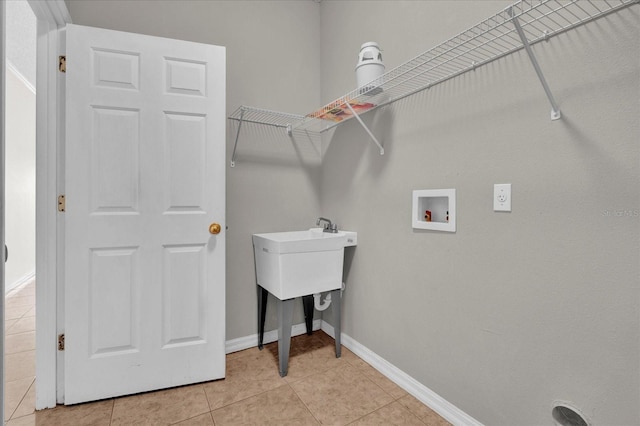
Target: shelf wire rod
[[568, 9], [440, 80], [537, 28], [235, 146], [596, 7], [573, 14], [262, 121], [451, 67], [488, 38], [568, 21], [444, 60], [611, 8], [366, 129], [557, 11], [608, 3], [447, 61], [502, 40], [423, 62], [484, 43], [548, 14], [477, 52], [617, 1], [555, 111], [477, 48], [587, 13], [590, 16]]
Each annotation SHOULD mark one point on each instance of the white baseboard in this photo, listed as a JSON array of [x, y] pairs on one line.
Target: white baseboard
[[425, 395], [19, 283], [251, 341]]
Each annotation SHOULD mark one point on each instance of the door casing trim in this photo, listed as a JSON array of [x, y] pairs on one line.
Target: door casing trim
[[52, 16]]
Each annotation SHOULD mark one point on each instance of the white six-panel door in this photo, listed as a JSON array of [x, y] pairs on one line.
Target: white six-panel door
[[145, 177]]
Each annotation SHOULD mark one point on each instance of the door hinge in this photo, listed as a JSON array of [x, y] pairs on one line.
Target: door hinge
[[61, 342], [62, 63], [61, 203]]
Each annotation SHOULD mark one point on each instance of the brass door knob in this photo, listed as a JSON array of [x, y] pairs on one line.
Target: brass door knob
[[214, 228]]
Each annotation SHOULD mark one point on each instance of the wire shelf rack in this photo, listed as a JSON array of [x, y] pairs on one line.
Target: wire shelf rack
[[520, 25], [264, 116]]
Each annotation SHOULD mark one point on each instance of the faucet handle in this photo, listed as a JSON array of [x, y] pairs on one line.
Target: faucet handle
[[328, 226]]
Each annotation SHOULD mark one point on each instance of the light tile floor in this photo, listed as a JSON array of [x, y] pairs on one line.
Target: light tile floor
[[319, 389]]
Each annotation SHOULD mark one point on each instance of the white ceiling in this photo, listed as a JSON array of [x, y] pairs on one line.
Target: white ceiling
[[21, 31]]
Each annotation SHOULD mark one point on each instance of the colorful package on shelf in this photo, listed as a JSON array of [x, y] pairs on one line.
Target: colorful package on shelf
[[340, 112]]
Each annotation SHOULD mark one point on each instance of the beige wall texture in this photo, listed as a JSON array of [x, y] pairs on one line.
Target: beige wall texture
[[514, 310], [20, 180]]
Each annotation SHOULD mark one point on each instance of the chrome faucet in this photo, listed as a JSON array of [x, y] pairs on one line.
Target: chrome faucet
[[328, 226]]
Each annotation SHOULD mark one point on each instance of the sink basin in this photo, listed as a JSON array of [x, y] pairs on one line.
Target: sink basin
[[299, 263]]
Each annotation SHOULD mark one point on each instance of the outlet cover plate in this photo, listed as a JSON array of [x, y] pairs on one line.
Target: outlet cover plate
[[502, 197]]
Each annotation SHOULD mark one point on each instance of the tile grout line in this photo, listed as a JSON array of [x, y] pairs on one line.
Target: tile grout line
[[304, 403], [386, 405], [113, 406], [22, 316], [19, 352], [204, 391], [244, 399], [10, 296], [207, 396], [394, 399], [285, 382], [19, 403], [22, 332], [360, 373]]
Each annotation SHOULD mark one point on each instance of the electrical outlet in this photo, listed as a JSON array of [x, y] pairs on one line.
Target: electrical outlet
[[502, 197]]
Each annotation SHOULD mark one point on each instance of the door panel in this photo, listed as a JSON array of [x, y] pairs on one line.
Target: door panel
[[186, 146], [113, 317], [186, 77], [114, 173], [145, 176], [184, 294]]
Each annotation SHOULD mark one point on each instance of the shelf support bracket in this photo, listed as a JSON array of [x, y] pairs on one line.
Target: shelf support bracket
[[364, 126], [235, 146], [555, 110]]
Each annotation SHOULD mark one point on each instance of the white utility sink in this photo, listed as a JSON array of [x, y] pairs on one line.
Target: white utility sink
[[299, 263]]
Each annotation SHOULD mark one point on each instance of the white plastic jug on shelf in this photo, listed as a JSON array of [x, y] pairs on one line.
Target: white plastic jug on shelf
[[370, 67]]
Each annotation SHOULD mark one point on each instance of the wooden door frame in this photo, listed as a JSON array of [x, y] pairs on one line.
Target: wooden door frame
[[52, 16]]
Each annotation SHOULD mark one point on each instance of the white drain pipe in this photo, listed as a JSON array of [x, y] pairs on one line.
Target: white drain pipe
[[321, 306]]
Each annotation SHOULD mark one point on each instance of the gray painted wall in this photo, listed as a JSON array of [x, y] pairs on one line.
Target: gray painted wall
[[514, 310]]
